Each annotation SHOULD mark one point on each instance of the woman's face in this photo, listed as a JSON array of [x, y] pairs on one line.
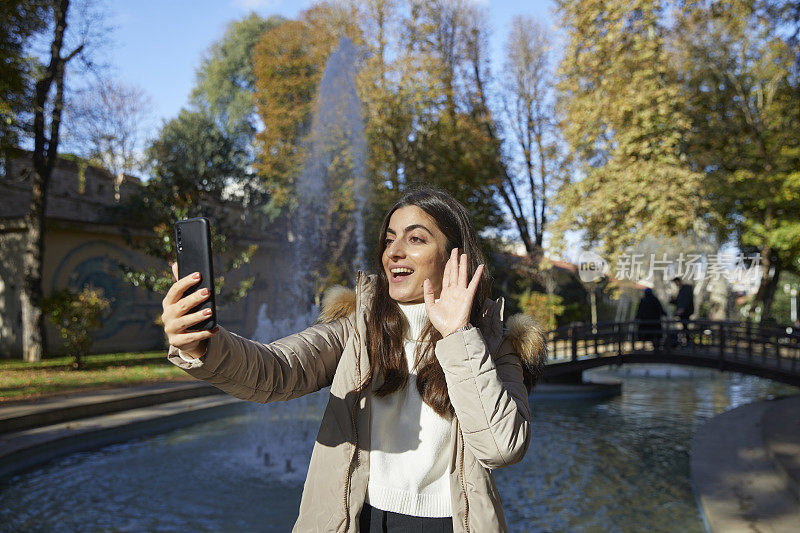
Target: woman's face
[[415, 249]]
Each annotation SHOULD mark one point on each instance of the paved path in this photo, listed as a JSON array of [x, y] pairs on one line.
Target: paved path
[[745, 468], [781, 429]]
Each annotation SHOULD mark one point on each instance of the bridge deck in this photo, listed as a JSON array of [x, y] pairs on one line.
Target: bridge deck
[[767, 352]]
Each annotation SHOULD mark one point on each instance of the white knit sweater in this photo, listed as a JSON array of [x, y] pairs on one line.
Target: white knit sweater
[[410, 445]]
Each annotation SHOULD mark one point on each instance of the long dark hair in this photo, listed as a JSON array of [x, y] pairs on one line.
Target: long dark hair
[[386, 327]]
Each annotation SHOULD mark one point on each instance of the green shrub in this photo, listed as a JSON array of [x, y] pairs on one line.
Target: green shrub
[[545, 308], [76, 315]]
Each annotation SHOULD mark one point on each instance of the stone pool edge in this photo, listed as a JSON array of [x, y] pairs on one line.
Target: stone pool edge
[[26, 449]]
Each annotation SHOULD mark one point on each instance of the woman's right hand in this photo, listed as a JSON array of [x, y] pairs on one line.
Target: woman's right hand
[[175, 319]]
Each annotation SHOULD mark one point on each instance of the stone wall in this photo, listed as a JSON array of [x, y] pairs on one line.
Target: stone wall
[[83, 247]]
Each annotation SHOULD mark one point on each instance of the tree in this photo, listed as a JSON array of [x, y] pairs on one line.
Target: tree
[[534, 137], [385, 96], [451, 145], [107, 120], [21, 20], [624, 119], [544, 307], [686, 115], [424, 86], [743, 95], [192, 164], [76, 315], [787, 15], [422, 123], [48, 104], [202, 163], [314, 161], [226, 83], [289, 61], [460, 64]]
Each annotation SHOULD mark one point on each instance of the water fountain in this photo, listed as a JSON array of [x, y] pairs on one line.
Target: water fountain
[[336, 162], [336, 149]]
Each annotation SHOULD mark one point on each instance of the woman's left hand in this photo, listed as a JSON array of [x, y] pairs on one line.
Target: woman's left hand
[[453, 308]]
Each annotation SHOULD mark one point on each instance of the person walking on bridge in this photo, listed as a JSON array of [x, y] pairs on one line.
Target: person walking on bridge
[[648, 317], [684, 306]]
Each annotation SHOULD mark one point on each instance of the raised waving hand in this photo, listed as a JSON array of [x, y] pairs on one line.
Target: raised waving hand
[[451, 311]]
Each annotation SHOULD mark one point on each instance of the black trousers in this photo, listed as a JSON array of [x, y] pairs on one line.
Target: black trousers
[[376, 521]]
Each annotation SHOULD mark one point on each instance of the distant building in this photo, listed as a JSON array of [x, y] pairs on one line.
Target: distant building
[[614, 299]]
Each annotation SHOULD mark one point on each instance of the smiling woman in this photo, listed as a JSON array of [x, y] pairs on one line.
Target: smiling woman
[[414, 258], [429, 390], [413, 253]]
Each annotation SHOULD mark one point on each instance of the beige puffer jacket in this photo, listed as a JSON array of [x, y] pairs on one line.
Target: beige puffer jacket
[[484, 379]]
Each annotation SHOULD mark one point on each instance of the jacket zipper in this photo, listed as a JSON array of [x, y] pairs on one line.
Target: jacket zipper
[[353, 413], [350, 466], [463, 482]]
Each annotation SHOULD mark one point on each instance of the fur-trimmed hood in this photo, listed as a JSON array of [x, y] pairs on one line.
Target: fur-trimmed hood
[[524, 333]]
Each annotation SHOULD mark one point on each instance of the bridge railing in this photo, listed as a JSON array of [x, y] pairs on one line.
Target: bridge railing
[[749, 342]]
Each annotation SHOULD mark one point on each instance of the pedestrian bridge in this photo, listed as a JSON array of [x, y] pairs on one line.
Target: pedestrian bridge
[[765, 351]]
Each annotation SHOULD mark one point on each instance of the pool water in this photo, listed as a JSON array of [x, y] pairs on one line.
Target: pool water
[[617, 464]]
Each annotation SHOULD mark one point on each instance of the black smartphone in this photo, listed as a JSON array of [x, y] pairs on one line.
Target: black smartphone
[[193, 242]]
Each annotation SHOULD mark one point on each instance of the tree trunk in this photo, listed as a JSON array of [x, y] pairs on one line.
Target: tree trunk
[[33, 335], [44, 157], [512, 200]]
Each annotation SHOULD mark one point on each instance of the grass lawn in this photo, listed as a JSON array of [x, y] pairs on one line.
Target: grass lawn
[[22, 381]]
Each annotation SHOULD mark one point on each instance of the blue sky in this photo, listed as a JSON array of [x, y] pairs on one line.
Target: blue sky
[[158, 45]]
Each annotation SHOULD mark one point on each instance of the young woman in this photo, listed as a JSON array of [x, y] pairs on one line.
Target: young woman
[[429, 386]]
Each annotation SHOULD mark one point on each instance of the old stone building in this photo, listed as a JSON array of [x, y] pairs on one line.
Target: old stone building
[[83, 246]]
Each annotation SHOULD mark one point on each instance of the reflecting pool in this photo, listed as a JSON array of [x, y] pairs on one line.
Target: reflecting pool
[[617, 464]]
